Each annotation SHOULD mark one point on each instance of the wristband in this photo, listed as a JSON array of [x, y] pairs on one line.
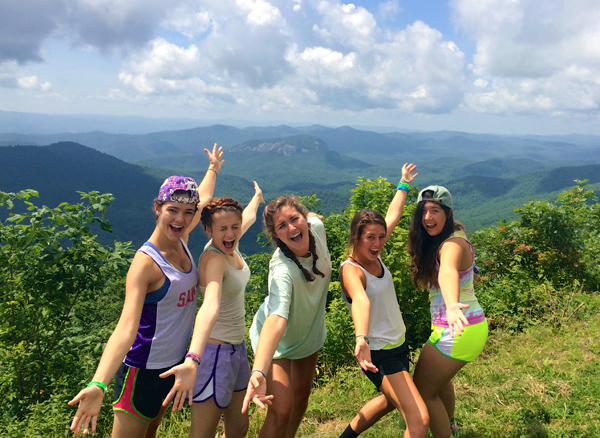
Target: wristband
[[98, 384], [403, 188], [362, 336], [210, 168], [194, 357], [259, 371]]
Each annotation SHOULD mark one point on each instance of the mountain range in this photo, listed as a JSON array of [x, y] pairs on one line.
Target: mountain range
[[487, 174]]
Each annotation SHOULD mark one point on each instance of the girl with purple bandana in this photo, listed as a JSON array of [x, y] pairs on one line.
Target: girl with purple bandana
[[215, 374], [442, 261], [157, 319]]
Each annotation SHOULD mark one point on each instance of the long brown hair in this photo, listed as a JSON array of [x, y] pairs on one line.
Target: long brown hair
[[423, 248], [270, 210]]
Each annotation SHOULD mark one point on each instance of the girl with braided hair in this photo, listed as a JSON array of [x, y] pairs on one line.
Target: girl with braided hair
[[289, 328], [216, 372]]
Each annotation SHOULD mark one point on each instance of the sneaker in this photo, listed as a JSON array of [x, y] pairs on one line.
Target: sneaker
[[454, 428]]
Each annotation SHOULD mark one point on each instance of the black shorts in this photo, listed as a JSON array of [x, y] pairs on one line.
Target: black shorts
[[388, 362], [140, 392]]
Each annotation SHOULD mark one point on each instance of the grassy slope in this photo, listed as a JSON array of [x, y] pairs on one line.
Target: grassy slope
[[541, 383]]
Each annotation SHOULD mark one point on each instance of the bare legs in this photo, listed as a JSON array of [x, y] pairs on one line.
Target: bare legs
[[370, 413], [290, 381], [206, 416], [399, 392], [433, 377]]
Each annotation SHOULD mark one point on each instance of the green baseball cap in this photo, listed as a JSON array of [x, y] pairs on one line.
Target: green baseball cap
[[438, 194]]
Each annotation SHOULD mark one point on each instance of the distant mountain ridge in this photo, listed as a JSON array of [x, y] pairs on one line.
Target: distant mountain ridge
[[367, 146], [286, 146]]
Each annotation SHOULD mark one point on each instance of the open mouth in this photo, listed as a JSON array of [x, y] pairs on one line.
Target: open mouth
[[296, 238], [176, 229], [229, 244]]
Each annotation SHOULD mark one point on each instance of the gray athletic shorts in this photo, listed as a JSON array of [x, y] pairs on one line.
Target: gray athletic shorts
[[223, 370]]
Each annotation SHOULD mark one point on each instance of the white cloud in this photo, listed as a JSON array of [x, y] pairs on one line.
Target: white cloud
[[260, 12], [320, 56], [388, 10], [33, 83], [541, 56]]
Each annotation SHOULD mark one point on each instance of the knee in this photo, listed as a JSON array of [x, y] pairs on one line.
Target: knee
[[301, 396], [418, 424], [240, 429], [279, 414]]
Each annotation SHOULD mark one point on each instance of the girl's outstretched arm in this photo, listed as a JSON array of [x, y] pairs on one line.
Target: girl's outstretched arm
[[353, 283], [452, 254], [394, 211], [249, 214], [142, 273], [215, 267], [206, 188], [271, 333]]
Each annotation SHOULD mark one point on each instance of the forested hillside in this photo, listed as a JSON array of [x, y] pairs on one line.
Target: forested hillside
[[485, 191]]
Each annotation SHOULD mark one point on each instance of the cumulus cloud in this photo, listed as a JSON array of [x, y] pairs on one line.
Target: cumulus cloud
[[530, 56], [9, 78], [25, 25], [533, 55], [334, 57]]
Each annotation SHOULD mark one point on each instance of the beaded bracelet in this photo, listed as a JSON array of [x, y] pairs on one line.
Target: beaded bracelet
[[194, 357], [98, 384], [362, 336], [258, 371]]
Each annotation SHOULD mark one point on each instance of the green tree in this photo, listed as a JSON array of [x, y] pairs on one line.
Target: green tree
[[529, 264], [57, 297]]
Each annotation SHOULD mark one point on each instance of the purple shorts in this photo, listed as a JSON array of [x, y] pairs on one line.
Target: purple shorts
[[224, 369]]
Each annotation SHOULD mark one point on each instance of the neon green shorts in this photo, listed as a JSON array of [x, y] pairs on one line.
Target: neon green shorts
[[465, 347]]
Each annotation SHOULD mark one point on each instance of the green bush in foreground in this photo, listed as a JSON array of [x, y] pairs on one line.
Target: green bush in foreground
[[57, 303]]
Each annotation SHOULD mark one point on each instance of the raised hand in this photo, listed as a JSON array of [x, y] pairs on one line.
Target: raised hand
[[215, 157], [90, 403], [258, 193], [408, 172]]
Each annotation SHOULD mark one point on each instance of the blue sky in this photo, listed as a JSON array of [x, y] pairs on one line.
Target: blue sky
[[497, 66]]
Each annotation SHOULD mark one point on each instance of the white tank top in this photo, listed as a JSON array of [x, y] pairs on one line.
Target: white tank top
[[386, 323]]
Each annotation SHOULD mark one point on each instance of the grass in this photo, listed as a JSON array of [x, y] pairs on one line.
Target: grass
[[542, 383]]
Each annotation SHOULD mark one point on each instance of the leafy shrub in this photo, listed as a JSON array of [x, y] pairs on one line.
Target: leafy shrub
[[58, 297]]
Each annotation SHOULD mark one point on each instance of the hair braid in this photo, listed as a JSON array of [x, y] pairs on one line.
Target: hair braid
[[289, 254], [312, 247]]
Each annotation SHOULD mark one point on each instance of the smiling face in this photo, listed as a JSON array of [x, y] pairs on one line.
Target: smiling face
[[225, 230], [173, 218], [370, 243], [433, 219], [291, 227]]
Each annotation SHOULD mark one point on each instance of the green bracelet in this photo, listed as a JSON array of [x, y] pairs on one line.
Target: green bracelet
[[97, 383], [403, 185]]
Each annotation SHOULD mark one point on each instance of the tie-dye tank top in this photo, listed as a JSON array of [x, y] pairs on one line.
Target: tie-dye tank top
[[474, 314]]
